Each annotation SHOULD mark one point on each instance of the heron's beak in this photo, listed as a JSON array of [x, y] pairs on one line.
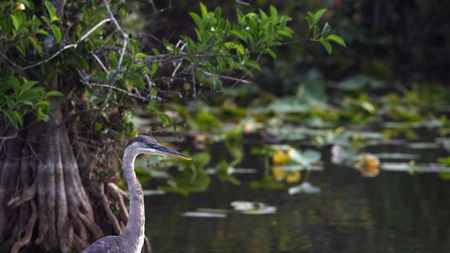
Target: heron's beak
[[170, 152]]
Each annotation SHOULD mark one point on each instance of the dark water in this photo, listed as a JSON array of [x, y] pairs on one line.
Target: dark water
[[394, 212]]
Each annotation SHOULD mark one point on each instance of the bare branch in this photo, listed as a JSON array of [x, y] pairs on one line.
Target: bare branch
[[239, 80], [74, 45], [181, 61], [242, 3], [109, 213], [124, 35], [93, 82], [100, 63], [7, 137]]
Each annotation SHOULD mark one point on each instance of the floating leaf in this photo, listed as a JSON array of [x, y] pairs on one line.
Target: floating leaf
[[397, 156], [444, 160], [200, 214], [311, 156], [248, 207], [305, 187], [149, 192]]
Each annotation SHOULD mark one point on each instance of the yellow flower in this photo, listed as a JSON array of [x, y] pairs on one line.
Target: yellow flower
[[371, 162], [368, 165], [293, 177], [280, 157], [278, 173]]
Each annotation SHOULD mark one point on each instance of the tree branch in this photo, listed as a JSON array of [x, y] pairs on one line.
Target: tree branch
[[124, 35], [93, 82], [73, 45]]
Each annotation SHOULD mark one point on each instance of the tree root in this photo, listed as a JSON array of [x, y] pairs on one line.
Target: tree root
[[26, 196], [26, 238], [42, 198], [118, 195], [109, 213]]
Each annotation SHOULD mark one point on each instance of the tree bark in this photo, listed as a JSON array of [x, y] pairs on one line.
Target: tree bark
[[42, 198], [43, 201]]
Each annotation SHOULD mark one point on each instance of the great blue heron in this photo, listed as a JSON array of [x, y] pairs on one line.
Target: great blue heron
[[132, 238]]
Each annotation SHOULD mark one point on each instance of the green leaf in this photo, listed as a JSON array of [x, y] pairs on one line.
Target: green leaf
[[253, 65], [13, 117], [36, 44], [318, 14], [51, 11], [41, 116], [15, 22], [271, 53], [286, 32], [203, 10], [310, 20], [165, 119], [13, 82], [140, 55], [43, 32], [316, 32], [336, 39], [240, 34], [239, 48], [273, 11], [56, 32], [326, 30], [197, 20], [314, 18], [54, 93], [326, 45], [98, 126]]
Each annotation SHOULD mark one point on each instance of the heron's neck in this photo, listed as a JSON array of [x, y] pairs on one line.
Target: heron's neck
[[134, 231]]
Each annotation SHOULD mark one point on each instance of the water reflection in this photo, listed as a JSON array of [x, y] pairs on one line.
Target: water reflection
[[393, 212]]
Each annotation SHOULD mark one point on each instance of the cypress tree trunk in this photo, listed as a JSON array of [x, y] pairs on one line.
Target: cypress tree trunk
[[43, 201], [42, 198]]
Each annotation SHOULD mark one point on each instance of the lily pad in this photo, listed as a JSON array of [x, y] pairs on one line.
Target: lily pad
[[416, 168], [388, 156], [150, 192], [200, 214], [248, 207], [305, 187], [423, 145]]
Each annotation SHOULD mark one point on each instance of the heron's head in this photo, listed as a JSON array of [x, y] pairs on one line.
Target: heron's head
[[147, 145]]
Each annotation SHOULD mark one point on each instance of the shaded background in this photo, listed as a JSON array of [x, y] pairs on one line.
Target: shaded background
[[406, 41]]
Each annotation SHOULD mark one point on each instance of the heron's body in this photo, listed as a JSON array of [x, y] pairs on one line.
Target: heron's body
[[107, 244], [132, 238]]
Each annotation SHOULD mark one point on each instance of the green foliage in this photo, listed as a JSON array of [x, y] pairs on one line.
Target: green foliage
[[322, 35], [22, 32], [40, 47], [19, 96], [227, 46], [445, 161]]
